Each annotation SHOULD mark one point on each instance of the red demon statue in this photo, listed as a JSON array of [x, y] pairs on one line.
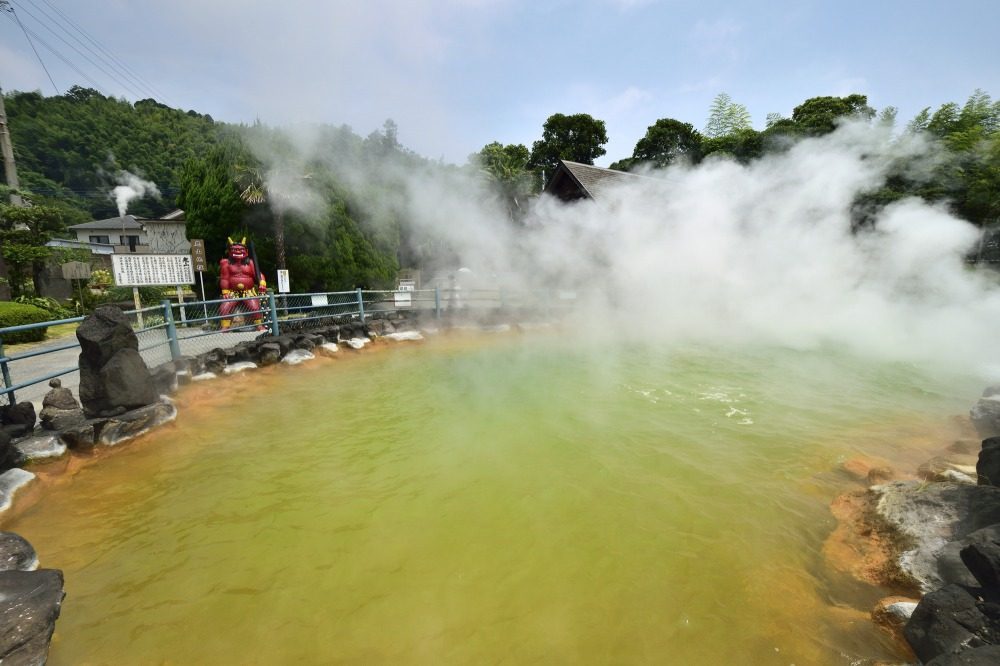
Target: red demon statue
[[237, 278]]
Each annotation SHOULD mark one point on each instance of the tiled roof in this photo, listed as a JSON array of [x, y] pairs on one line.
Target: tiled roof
[[128, 222], [596, 180]]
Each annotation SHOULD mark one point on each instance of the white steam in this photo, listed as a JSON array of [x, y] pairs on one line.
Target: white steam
[[131, 186], [727, 253]]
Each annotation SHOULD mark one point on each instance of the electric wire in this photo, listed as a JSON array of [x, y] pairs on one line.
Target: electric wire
[[10, 12], [121, 64], [59, 55], [48, 26], [60, 19], [83, 55]]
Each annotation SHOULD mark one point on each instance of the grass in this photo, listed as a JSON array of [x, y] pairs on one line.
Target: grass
[[53, 333]]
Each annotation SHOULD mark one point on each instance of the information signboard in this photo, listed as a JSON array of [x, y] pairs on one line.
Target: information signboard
[[283, 282], [152, 270], [198, 254]]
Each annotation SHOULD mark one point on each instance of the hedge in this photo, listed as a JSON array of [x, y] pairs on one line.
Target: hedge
[[16, 314]]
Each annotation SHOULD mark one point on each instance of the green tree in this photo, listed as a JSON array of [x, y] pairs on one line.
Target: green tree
[[726, 117], [819, 115], [577, 138], [507, 169], [668, 141], [23, 234], [742, 145]]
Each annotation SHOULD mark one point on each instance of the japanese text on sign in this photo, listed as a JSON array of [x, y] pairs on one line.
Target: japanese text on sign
[[150, 270]]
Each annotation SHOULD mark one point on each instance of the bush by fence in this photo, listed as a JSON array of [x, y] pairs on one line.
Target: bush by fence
[[17, 314]]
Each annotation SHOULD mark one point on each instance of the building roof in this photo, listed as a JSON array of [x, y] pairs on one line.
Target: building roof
[[131, 221], [589, 181], [127, 222]]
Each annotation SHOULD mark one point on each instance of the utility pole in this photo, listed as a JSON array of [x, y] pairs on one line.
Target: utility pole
[[10, 171], [7, 149]]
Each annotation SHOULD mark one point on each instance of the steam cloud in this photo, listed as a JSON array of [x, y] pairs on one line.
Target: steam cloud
[[131, 186], [727, 253]]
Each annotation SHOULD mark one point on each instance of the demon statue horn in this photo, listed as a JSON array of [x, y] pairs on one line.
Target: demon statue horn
[[241, 283]]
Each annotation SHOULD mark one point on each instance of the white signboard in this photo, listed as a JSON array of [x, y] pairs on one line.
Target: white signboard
[[152, 270], [403, 299], [283, 282]]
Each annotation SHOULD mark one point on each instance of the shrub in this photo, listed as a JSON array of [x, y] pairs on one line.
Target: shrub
[[54, 308], [16, 314]]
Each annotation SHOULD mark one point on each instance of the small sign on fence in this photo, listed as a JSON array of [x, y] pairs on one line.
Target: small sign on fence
[[283, 281], [152, 270]]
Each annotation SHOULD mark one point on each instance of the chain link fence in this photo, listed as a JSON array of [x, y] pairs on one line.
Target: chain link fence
[[171, 329]]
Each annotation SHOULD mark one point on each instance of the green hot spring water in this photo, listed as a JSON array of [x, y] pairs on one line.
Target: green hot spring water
[[518, 500]]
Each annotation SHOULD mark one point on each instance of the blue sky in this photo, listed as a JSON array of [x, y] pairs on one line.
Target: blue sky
[[456, 74]]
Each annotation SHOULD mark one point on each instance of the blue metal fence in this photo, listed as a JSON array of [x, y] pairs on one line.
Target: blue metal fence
[[171, 330]]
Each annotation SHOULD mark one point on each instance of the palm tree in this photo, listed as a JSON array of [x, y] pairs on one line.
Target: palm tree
[[254, 191]]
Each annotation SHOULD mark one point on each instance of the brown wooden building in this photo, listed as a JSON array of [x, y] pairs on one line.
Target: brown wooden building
[[573, 181]]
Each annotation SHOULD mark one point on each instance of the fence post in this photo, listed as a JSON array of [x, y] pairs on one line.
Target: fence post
[[6, 376], [168, 316], [361, 306], [437, 302], [274, 313]]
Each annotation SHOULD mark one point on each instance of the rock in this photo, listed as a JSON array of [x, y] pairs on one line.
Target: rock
[[985, 414], [127, 381], [951, 619], [357, 343], [39, 448], [113, 376], [104, 333], [21, 414], [404, 335], [17, 430], [239, 367], [942, 469], [297, 356], [10, 482], [59, 397], [892, 613], [7, 452], [203, 376], [135, 422], [982, 556], [988, 465], [32, 601], [81, 437], [214, 361], [164, 378], [270, 353], [329, 348], [303, 342], [928, 516], [987, 655], [53, 418], [16, 554]]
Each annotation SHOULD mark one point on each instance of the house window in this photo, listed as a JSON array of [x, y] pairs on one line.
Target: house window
[[131, 241], [100, 239]]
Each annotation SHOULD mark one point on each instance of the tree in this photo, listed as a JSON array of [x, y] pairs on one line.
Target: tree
[[667, 141], [23, 234], [507, 167], [577, 138], [743, 145], [819, 115], [726, 117]]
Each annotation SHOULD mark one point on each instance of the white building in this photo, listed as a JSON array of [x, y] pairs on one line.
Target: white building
[[137, 235]]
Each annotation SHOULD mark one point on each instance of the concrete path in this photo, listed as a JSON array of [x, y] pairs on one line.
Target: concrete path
[[192, 342]]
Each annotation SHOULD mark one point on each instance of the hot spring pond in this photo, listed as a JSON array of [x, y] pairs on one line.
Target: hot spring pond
[[520, 501]]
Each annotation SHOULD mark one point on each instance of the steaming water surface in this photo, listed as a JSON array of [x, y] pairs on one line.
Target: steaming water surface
[[454, 502]]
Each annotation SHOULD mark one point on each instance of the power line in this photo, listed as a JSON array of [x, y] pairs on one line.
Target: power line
[[112, 58], [5, 5], [129, 81], [82, 54], [59, 55]]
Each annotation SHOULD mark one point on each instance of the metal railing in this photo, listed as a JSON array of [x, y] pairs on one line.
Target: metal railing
[[172, 330]]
